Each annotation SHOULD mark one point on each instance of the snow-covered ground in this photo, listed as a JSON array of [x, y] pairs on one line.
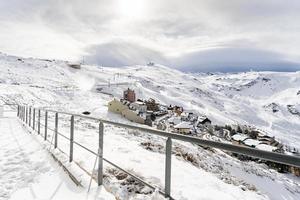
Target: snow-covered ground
[[197, 173], [29, 172]]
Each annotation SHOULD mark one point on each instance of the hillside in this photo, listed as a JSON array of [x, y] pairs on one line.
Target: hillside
[[226, 98], [267, 100]]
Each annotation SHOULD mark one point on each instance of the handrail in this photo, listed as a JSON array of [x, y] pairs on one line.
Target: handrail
[[265, 155], [24, 111]]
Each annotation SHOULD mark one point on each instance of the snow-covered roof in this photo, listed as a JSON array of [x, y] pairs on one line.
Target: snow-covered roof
[[265, 147], [239, 137], [251, 142], [73, 63], [184, 114], [201, 118], [138, 103], [188, 111], [175, 120], [184, 125]]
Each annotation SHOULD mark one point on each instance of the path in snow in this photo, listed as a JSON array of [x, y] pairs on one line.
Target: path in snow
[[27, 171]]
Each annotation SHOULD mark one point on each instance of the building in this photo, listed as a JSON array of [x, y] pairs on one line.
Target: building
[[138, 105], [116, 106], [203, 120], [185, 115], [266, 147], [178, 110], [150, 64], [122, 107], [239, 138], [129, 95], [174, 120], [75, 65], [266, 139], [251, 142], [148, 120], [183, 127], [188, 116], [160, 113], [152, 105], [133, 116]]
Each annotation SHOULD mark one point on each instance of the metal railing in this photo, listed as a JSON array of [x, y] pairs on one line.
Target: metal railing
[[28, 114]]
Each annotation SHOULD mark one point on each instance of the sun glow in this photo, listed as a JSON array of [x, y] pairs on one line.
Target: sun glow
[[132, 9]]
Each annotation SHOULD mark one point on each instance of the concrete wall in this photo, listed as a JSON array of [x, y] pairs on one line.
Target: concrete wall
[[137, 106], [183, 130], [116, 106], [132, 116]]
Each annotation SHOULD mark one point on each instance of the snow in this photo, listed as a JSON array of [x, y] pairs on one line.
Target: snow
[[276, 190], [28, 172], [35, 176], [239, 137], [265, 147], [197, 173], [174, 120], [251, 142], [184, 125], [188, 182]]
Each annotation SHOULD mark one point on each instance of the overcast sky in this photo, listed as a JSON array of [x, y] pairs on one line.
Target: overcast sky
[[194, 35]]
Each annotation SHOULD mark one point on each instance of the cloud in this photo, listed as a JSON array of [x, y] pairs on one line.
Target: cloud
[[235, 32], [121, 53], [224, 59], [234, 59]]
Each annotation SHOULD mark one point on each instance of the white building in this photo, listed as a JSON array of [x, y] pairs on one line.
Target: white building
[[183, 127], [203, 120], [266, 147], [140, 106], [174, 120], [239, 137], [251, 142]]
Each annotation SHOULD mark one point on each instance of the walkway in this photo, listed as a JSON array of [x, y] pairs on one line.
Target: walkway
[[27, 171]]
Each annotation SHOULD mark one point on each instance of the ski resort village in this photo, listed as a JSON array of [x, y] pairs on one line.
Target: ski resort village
[[176, 119]]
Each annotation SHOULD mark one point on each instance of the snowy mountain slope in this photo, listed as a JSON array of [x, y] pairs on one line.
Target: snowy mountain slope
[[225, 98], [254, 91]]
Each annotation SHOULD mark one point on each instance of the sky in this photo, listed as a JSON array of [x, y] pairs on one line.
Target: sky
[[191, 35]]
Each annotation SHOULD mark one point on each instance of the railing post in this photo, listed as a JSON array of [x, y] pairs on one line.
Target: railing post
[[71, 138], [26, 114], [29, 116], [23, 114], [46, 125], [56, 130], [33, 123], [18, 111], [100, 154], [168, 167], [39, 121]]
